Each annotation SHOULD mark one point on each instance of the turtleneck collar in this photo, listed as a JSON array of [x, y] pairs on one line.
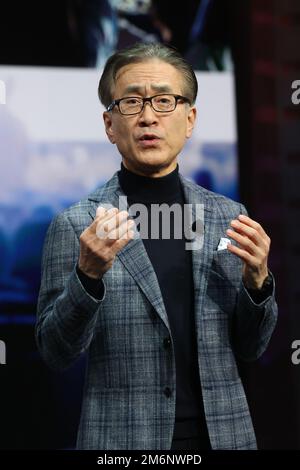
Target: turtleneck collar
[[146, 189]]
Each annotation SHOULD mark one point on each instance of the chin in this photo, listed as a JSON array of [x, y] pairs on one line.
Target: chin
[[150, 161], [152, 167], [153, 159]]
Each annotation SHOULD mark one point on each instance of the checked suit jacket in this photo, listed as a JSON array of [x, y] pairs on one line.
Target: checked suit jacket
[[128, 368]]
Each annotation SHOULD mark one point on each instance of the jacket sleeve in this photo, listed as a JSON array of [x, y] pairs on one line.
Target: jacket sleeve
[[66, 313], [253, 324]]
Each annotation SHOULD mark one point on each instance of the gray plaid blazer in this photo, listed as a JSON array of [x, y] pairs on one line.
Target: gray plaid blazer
[[124, 404]]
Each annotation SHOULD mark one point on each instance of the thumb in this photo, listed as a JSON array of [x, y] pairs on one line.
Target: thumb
[[100, 213]]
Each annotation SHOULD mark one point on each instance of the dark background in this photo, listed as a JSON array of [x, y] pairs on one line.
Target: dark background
[[39, 409]]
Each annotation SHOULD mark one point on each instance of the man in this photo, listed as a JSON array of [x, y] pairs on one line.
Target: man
[[162, 321]]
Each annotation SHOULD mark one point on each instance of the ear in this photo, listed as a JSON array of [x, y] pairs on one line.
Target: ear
[[107, 118], [191, 119]]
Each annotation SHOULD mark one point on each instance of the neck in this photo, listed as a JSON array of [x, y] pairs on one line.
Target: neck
[[141, 188]]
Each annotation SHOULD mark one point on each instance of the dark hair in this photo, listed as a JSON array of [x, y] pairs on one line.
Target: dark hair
[[142, 52]]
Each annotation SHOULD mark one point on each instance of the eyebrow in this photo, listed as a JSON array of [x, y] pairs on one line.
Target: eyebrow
[[161, 88]]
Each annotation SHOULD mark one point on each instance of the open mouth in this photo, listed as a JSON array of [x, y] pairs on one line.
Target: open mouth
[[148, 137], [148, 140]]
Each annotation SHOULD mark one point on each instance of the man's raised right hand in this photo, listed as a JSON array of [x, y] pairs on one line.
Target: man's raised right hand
[[100, 242]]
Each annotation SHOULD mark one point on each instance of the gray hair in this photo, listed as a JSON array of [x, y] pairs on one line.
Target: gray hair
[[142, 52]]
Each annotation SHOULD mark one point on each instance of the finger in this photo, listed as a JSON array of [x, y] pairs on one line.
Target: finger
[[98, 222], [119, 231], [100, 212], [252, 223], [242, 254], [120, 218], [242, 240], [106, 216], [261, 239], [247, 246], [116, 231], [108, 224], [260, 252], [110, 214], [246, 230], [122, 241]]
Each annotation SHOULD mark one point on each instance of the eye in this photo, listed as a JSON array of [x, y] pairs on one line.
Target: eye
[[131, 101], [163, 100]]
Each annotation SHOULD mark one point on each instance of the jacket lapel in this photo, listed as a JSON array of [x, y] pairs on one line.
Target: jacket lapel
[[201, 258]]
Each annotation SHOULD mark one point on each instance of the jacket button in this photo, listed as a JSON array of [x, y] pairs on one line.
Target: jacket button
[[167, 342], [168, 392]]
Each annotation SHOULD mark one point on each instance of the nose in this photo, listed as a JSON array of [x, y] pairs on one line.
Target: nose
[[147, 116]]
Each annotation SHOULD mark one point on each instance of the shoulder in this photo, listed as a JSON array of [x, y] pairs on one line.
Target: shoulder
[[84, 208], [215, 202], [80, 215]]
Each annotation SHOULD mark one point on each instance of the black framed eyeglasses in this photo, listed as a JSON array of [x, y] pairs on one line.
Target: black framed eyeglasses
[[162, 103]]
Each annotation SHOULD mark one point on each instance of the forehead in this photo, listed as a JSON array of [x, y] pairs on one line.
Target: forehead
[[152, 75]]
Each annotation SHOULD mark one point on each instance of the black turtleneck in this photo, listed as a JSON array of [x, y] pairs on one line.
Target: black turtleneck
[[172, 264]]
